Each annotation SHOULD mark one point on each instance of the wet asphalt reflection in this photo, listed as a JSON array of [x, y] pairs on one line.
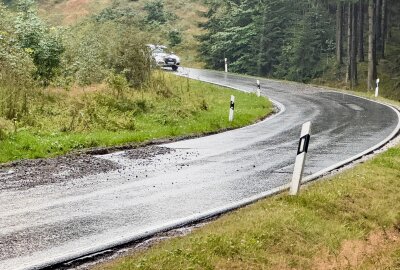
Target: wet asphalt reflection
[[45, 222]]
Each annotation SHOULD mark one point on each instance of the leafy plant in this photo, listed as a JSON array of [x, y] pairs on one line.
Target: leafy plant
[[131, 58], [42, 43], [117, 13], [16, 67], [118, 84], [155, 12], [175, 37]]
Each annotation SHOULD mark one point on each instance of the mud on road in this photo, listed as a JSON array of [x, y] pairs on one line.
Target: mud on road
[[31, 173]]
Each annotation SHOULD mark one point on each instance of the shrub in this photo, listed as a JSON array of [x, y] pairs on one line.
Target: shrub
[[175, 37], [16, 67], [131, 58], [85, 54], [155, 12], [42, 43], [116, 13], [118, 84]]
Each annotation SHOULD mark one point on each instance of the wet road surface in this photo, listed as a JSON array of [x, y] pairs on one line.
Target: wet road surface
[[143, 190]]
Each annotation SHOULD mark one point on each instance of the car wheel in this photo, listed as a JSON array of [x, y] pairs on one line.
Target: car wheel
[[174, 68]]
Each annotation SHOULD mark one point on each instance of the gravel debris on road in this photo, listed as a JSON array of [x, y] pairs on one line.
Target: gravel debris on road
[[27, 174]]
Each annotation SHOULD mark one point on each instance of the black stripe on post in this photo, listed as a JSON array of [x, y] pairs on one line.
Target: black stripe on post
[[232, 106], [303, 144]]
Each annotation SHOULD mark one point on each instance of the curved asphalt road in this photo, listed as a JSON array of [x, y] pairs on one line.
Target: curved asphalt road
[[60, 221]]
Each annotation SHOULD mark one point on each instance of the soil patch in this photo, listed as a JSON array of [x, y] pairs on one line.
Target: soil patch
[[30, 173], [353, 254], [147, 152]]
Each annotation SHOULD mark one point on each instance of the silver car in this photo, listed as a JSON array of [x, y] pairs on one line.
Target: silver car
[[162, 58]]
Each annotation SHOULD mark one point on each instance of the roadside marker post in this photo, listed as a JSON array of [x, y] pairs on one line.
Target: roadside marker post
[[231, 108], [300, 158], [258, 88], [377, 88], [226, 65]]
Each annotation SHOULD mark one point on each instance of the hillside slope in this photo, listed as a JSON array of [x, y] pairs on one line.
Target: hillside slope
[[186, 18]]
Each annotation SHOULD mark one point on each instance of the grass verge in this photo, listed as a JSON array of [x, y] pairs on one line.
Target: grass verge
[[351, 221], [60, 121]]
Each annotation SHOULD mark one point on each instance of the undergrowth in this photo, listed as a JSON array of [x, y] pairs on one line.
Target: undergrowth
[[59, 121]]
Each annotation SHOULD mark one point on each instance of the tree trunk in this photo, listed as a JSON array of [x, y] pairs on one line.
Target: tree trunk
[[339, 33], [349, 34], [353, 47], [260, 69], [388, 20], [371, 45], [378, 19], [383, 27], [360, 26]]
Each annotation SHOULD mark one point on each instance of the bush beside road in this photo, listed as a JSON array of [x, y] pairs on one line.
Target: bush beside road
[[112, 115]]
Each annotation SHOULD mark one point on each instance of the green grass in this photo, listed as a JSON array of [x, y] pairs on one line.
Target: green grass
[[351, 221], [60, 122]]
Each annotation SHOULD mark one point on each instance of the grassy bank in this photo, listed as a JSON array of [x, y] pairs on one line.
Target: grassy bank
[[185, 17], [60, 121], [351, 221]]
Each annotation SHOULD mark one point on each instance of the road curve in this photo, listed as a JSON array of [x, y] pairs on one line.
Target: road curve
[[57, 221]]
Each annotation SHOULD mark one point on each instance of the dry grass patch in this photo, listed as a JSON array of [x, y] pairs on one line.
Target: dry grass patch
[[369, 253], [69, 12]]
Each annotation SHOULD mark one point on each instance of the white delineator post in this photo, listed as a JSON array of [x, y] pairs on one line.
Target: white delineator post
[[226, 64], [231, 108], [300, 158], [258, 88], [377, 88]]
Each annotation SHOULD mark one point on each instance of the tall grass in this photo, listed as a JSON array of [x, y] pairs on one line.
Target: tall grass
[[60, 121], [15, 92], [15, 97]]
